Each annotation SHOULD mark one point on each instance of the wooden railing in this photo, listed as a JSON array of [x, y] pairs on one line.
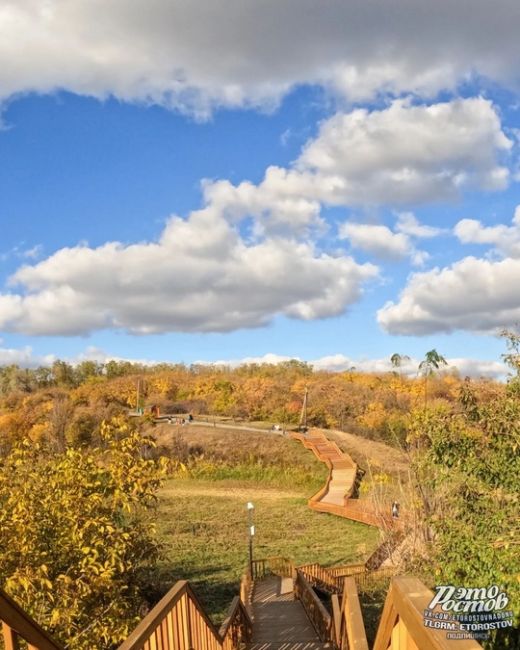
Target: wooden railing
[[402, 621], [321, 577], [347, 570], [332, 579], [315, 609], [18, 626], [348, 627], [246, 592], [178, 622], [279, 566]]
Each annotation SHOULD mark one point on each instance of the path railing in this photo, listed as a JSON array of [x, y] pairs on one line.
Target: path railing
[[332, 579], [348, 627], [18, 626], [279, 566], [402, 621], [321, 577], [178, 622], [315, 609]]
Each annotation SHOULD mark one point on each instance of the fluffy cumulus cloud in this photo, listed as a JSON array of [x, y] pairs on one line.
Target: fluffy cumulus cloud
[[402, 154], [473, 294], [195, 55], [381, 242], [376, 239], [200, 276], [214, 271], [407, 153], [409, 366], [408, 224], [505, 240]]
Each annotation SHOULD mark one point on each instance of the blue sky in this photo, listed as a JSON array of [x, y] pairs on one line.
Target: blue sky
[[188, 185]]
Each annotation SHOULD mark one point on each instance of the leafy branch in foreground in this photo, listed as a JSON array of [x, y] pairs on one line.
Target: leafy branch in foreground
[[76, 534]]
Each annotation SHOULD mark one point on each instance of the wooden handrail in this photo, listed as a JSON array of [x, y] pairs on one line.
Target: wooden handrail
[[178, 622], [246, 589], [348, 624], [238, 625], [318, 615], [402, 620], [17, 624]]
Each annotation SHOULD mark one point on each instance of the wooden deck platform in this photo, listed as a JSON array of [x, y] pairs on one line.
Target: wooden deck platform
[[279, 621]]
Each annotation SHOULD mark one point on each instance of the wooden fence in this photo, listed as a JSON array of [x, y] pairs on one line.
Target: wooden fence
[[18, 626], [178, 622]]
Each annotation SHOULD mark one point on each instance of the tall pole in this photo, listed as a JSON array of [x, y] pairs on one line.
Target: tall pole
[[250, 510], [137, 398], [303, 414]]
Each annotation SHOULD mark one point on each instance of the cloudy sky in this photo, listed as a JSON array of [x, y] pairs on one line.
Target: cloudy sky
[[184, 180]]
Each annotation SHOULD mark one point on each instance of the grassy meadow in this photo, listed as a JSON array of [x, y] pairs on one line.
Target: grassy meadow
[[202, 518]]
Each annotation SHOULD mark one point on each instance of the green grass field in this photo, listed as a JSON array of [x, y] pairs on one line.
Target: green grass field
[[203, 527]]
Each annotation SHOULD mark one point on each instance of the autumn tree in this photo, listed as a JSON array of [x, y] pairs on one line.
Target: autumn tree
[[76, 535]]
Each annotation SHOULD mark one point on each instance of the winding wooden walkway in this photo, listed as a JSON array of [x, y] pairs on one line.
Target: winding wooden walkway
[[280, 622], [336, 497]]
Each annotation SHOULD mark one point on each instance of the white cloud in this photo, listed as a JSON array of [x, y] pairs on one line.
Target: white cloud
[[406, 153], [469, 367], [399, 155], [340, 363], [385, 244], [197, 55], [200, 276], [473, 294], [24, 357], [505, 239], [377, 240], [408, 224]]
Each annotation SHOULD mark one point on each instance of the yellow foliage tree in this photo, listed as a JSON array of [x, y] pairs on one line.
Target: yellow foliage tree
[[75, 534]]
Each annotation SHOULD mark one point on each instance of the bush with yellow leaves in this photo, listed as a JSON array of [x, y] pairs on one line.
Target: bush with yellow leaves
[[76, 534]]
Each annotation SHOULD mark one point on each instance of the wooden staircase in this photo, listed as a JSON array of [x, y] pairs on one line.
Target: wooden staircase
[[280, 621], [286, 614]]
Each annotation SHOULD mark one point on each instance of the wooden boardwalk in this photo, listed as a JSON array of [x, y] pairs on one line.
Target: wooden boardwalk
[[336, 497], [279, 621]]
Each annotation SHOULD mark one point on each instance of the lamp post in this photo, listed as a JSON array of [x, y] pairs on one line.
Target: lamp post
[[250, 510]]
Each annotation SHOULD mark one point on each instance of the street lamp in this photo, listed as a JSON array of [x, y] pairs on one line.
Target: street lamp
[[250, 510]]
